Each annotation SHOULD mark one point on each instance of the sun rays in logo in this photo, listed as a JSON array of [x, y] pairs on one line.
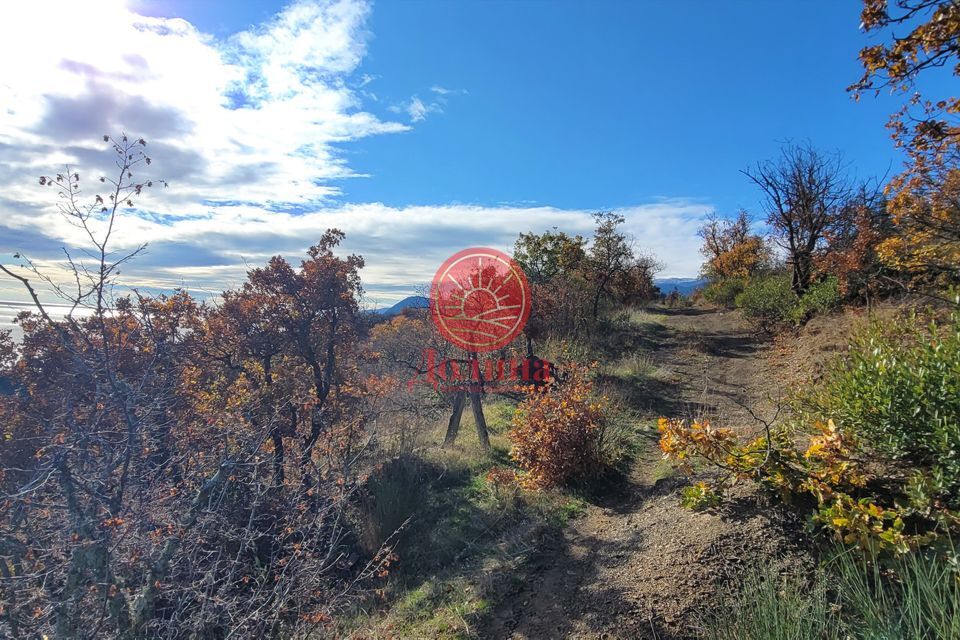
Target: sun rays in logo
[[480, 300]]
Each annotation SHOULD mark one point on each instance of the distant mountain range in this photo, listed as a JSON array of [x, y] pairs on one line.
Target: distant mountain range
[[410, 302], [685, 286]]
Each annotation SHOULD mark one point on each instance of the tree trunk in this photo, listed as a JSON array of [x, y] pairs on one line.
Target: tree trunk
[[477, 406], [476, 403], [453, 427], [596, 302], [802, 269]]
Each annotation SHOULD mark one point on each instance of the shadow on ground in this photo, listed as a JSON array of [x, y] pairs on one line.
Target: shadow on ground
[[562, 592]]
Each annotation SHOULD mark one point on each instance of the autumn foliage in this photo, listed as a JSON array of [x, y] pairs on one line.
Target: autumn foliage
[[830, 471], [880, 432], [923, 198], [557, 430], [173, 468], [852, 249], [731, 250]]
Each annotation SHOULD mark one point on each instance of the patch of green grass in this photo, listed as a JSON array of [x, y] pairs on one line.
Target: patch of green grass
[[916, 596], [771, 607], [572, 508], [436, 610], [662, 470], [465, 535], [499, 415], [639, 317]]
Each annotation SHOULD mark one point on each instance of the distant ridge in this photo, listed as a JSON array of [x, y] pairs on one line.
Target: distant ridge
[[411, 302], [685, 286]]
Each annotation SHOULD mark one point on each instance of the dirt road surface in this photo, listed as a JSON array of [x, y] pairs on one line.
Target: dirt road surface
[[637, 564]]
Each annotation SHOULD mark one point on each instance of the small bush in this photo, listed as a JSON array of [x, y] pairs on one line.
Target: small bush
[[768, 302], [698, 496], [820, 297], [393, 494], [899, 393], [724, 292], [557, 432]]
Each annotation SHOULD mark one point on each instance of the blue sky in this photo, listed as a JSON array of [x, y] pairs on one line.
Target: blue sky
[[601, 105], [419, 128], [589, 105]]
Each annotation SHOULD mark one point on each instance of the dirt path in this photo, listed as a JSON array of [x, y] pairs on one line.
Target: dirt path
[[637, 565]]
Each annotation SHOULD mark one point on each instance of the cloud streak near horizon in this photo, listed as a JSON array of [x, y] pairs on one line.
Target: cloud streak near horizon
[[249, 131]]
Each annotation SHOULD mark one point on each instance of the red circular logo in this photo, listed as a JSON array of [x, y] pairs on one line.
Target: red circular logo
[[480, 299]]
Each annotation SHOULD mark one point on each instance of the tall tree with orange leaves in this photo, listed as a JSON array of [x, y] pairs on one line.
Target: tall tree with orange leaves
[[731, 250], [924, 200]]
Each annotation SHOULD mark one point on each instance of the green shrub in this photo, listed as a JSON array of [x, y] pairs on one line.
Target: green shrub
[[820, 297], [699, 496], [724, 292], [898, 393], [768, 302]]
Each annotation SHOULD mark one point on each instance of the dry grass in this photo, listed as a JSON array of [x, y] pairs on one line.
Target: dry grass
[[466, 537], [633, 365]]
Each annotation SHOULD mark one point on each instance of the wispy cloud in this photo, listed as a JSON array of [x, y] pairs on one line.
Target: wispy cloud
[[417, 109], [402, 245], [443, 91]]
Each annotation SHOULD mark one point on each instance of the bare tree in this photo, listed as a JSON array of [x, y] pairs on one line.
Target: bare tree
[[401, 344], [804, 190]]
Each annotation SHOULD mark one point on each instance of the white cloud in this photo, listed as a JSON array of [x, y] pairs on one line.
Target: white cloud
[[246, 129], [253, 118], [417, 109], [444, 91], [402, 246]]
